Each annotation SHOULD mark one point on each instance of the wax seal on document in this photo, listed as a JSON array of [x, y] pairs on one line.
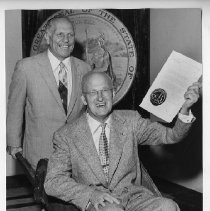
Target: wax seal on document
[[158, 96], [103, 41]]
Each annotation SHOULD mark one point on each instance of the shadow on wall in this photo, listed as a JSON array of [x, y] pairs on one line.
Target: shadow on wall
[[182, 161]]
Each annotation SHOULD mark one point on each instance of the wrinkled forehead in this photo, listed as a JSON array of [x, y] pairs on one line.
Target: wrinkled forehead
[[97, 81]]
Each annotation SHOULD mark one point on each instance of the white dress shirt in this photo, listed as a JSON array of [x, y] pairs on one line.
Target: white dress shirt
[[95, 128], [55, 67], [187, 118]]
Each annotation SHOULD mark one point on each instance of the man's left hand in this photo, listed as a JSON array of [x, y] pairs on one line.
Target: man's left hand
[[191, 97]]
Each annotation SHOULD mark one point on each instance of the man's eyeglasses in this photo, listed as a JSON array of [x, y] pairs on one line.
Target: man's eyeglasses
[[95, 93]]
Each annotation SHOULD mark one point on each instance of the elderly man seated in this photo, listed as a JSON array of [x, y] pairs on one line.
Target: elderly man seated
[[95, 163]]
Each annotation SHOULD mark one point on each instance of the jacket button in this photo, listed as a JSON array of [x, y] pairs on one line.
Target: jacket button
[[125, 190]]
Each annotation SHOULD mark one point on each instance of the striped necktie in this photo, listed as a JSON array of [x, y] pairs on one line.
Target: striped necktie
[[63, 85], [104, 151]]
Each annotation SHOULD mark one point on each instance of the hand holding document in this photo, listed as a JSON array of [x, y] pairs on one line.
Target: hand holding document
[[166, 95]]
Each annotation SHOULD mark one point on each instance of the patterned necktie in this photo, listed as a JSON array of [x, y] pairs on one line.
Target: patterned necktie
[[63, 85], [104, 151]]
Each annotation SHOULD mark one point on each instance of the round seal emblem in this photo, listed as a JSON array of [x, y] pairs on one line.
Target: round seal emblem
[[158, 96], [103, 42]]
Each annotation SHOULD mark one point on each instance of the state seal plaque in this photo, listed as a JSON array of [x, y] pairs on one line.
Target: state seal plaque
[[104, 43]]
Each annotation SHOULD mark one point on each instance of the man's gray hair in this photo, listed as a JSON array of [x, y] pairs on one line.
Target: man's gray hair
[[51, 22]]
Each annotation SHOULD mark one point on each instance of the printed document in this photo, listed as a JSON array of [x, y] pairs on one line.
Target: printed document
[[166, 95]]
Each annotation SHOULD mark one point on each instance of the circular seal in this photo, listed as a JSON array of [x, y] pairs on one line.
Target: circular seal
[[158, 96], [103, 42]]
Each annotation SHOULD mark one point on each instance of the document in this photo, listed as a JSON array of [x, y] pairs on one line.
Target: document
[[165, 97]]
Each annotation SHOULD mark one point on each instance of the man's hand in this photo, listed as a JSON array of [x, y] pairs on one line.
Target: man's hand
[[191, 96], [13, 150], [99, 198]]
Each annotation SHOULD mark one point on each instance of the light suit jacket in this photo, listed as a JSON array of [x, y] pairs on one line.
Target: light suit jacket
[[33, 92], [74, 169]]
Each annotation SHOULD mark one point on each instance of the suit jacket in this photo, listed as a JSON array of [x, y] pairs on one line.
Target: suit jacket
[[74, 169], [33, 92]]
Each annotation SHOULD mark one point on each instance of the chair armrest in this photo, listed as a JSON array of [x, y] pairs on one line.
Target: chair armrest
[[40, 174], [30, 172], [36, 178]]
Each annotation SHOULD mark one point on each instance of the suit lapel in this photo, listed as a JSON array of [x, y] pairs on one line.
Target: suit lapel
[[116, 143], [47, 74], [85, 145], [75, 83]]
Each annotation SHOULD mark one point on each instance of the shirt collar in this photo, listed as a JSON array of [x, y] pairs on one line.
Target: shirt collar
[[94, 124], [55, 62]]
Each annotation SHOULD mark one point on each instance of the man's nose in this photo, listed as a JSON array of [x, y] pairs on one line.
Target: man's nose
[[66, 38], [100, 95]]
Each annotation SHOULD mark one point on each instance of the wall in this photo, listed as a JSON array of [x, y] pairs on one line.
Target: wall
[[179, 30], [13, 46]]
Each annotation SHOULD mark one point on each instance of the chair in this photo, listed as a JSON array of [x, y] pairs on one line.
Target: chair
[[37, 178]]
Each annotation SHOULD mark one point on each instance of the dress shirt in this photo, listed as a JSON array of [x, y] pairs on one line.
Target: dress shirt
[[96, 130], [187, 118], [55, 67]]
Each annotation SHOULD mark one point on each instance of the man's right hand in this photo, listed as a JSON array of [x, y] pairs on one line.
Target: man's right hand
[[99, 198], [13, 150]]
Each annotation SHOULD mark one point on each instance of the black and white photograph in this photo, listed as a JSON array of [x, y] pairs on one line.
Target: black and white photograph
[[104, 108]]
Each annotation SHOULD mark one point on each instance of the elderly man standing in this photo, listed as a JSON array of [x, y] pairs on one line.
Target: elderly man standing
[[95, 164], [44, 94]]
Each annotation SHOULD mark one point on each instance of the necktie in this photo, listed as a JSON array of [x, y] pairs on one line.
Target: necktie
[[63, 85], [104, 151]]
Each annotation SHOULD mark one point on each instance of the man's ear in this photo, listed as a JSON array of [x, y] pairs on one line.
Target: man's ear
[[83, 100], [47, 37]]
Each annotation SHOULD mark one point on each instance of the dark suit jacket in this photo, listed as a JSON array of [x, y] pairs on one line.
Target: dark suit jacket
[[34, 91], [74, 169]]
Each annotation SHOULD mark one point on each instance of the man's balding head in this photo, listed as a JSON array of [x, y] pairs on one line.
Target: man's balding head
[[94, 76]]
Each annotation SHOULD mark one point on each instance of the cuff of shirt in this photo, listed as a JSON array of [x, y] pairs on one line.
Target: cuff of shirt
[[187, 118]]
